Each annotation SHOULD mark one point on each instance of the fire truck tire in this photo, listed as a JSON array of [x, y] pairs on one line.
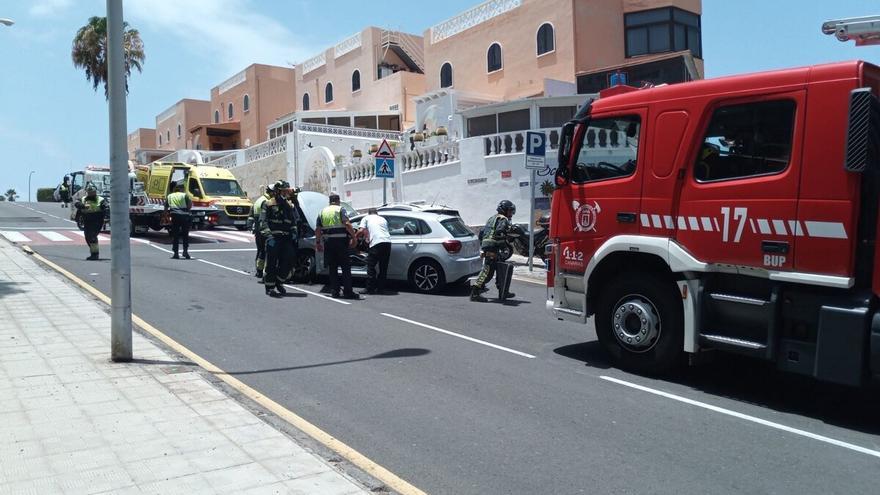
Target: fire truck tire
[[639, 321]]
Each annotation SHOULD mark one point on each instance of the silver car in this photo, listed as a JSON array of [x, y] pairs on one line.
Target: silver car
[[428, 250]]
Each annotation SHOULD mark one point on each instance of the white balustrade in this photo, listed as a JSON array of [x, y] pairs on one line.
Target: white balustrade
[[232, 82], [266, 149], [349, 131], [428, 156], [515, 141], [347, 45], [228, 161], [314, 62], [466, 20]]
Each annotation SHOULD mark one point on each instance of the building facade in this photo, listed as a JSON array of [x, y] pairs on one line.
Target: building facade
[[375, 70], [173, 124], [141, 138], [511, 49], [242, 107]]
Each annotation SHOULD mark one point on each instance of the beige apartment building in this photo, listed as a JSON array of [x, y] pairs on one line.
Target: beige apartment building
[[509, 49], [172, 124], [243, 106], [375, 71], [140, 139]]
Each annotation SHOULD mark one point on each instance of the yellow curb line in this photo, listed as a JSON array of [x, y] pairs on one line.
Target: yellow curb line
[[390, 479]]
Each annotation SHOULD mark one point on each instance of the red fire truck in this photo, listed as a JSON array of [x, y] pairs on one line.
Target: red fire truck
[[737, 214]]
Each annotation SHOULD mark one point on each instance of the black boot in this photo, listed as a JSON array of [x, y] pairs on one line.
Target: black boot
[[175, 256], [476, 294], [186, 256], [259, 274], [93, 257], [280, 288], [270, 291]]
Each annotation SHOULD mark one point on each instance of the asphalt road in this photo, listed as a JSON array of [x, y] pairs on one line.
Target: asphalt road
[[460, 398]]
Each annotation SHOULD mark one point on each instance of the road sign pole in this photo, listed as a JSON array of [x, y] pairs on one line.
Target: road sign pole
[[532, 223], [120, 254], [384, 191]]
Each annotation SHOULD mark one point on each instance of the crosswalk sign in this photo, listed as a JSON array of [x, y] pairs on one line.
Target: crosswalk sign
[[385, 168]]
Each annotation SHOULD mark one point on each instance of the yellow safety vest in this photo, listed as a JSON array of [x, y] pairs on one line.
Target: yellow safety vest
[[331, 222], [92, 205], [177, 200]]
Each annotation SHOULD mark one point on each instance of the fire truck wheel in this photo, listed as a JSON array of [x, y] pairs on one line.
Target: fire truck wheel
[[639, 321]]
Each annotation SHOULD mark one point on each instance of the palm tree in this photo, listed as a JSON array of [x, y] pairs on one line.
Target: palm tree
[[90, 51], [11, 194]]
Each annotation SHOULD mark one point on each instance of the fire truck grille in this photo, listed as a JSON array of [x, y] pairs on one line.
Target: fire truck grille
[[238, 210]]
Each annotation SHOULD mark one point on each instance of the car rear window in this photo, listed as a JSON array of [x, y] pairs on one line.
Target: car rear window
[[456, 227]]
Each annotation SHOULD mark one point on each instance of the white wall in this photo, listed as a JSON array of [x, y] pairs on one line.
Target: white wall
[[460, 184]]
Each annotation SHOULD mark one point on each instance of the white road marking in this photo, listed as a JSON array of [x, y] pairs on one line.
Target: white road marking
[[746, 417], [226, 236], [221, 250], [13, 236], [54, 236], [465, 337], [827, 230], [346, 303]]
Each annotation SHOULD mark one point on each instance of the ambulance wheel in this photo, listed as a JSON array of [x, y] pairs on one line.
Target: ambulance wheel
[[427, 276], [639, 322]]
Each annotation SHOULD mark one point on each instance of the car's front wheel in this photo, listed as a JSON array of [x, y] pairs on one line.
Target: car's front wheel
[[306, 270], [427, 276]]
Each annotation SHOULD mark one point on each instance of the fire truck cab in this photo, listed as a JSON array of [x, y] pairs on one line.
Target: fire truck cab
[[736, 214]]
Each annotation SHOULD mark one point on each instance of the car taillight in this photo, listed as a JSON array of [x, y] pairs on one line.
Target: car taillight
[[213, 218], [452, 247]]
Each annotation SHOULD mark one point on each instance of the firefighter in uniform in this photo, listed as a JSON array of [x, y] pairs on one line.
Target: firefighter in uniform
[[335, 236], [93, 209], [494, 236], [278, 227], [260, 260], [180, 205], [300, 223]]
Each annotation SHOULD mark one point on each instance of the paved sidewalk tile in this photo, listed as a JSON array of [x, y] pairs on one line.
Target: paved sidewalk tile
[[71, 421]]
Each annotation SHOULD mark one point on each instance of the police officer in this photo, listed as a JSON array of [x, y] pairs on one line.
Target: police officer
[[278, 227], [64, 192], [335, 236], [93, 209], [260, 260], [180, 205], [494, 237]]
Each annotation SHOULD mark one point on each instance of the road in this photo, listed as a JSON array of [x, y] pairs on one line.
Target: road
[[459, 397]]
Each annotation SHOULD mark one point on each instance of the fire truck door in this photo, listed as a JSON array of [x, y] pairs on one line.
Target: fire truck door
[[604, 198], [738, 203]]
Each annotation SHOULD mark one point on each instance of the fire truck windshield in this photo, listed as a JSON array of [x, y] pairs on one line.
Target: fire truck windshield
[[609, 149]]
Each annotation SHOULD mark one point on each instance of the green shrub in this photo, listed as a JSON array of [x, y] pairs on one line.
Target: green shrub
[[46, 195]]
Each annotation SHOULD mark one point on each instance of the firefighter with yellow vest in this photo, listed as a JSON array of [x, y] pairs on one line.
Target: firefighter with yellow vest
[[335, 236], [278, 226], [180, 205], [260, 259], [93, 210]]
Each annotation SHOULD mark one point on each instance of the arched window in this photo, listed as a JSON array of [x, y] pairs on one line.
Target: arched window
[[493, 58], [355, 81], [446, 75], [160, 139], [328, 93], [246, 103], [216, 116], [229, 111], [546, 43], [178, 130], [167, 136], [306, 102]]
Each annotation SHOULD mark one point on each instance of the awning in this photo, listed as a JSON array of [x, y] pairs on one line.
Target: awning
[[225, 129]]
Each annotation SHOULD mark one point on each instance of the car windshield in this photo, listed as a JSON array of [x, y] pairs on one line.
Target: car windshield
[[221, 187], [456, 227]]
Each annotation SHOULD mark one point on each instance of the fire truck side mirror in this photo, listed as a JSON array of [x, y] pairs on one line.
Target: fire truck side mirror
[[566, 138], [862, 129]]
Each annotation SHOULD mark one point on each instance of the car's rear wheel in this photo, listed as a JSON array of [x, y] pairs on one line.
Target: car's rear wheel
[[427, 276], [640, 322], [306, 271]]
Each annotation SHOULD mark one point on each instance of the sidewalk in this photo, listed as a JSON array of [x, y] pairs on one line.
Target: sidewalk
[[521, 269], [72, 421]]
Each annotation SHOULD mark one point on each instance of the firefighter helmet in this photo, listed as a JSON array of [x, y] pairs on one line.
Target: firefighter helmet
[[506, 205]]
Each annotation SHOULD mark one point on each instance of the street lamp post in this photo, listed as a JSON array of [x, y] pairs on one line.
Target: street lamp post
[[120, 262], [29, 185]]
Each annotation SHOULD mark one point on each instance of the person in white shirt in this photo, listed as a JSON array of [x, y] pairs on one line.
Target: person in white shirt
[[379, 252]]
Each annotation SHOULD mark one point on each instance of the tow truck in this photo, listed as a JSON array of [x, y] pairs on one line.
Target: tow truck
[[737, 214], [143, 213]]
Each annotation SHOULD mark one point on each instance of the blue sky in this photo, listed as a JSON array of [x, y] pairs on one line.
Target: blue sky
[[52, 122]]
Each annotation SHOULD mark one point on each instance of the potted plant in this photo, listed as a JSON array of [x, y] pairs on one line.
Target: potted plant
[[356, 154], [441, 131]]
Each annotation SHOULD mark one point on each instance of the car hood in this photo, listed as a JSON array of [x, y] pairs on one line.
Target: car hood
[[312, 203]]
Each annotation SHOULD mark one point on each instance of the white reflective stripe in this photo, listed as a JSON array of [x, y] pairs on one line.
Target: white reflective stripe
[[707, 224], [645, 221], [752, 225], [682, 224], [53, 236], [667, 220], [13, 236], [779, 227], [694, 224], [826, 230], [795, 228], [717, 229], [764, 225], [655, 219]]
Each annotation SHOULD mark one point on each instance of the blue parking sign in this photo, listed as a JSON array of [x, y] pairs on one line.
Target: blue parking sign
[[536, 150]]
